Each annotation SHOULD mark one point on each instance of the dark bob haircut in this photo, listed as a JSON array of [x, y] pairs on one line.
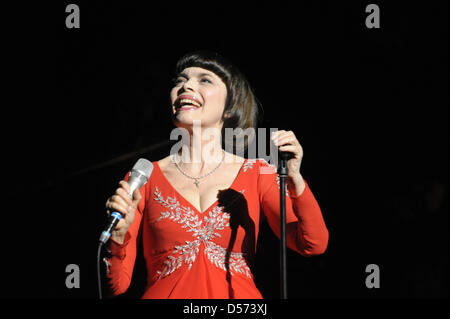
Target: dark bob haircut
[[241, 106]]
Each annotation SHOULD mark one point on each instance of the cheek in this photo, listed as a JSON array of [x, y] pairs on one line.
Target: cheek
[[173, 95], [217, 98]]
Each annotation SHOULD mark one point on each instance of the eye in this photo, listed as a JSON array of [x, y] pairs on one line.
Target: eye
[[178, 80], [205, 80]]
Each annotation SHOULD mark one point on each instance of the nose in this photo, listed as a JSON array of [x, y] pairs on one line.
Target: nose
[[188, 86]]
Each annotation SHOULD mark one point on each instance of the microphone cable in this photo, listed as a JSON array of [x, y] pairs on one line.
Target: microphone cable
[[99, 279]]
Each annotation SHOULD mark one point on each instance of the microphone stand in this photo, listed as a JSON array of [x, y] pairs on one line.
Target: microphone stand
[[283, 173]]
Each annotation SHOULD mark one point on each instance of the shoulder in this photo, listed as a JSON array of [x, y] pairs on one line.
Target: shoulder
[[164, 163], [266, 167], [233, 159], [260, 165]]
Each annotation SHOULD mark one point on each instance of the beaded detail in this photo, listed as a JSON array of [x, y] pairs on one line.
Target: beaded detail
[[248, 164], [203, 231]]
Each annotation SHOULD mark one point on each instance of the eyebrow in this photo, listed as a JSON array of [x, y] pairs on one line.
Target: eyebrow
[[184, 75]]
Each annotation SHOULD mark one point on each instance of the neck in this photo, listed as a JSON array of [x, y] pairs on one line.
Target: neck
[[203, 152]]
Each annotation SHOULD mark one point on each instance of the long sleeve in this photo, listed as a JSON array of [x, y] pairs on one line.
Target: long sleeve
[[306, 231], [123, 256]]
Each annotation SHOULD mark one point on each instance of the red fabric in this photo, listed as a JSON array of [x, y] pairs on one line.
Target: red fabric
[[187, 252]]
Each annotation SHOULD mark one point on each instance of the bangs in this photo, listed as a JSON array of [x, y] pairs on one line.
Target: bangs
[[210, 61]]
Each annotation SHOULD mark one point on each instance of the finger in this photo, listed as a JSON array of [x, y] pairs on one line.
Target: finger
[[119, 200], [290, 148], [289, 139], [136, 197], [282, 135], [286, 134], [124, 195], [108, 203], [125, 186], [286, 139], [276, 134], [116, 207]]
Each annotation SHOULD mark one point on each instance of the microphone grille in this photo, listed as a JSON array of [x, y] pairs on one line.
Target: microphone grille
[[144, 167]]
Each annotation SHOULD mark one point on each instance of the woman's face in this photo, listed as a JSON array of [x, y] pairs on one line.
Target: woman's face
[[198, 94]]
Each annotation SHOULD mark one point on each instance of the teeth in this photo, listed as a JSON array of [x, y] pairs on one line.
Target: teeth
[[189, 101]]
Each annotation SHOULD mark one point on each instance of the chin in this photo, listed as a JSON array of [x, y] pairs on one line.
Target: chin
[[183, 122]]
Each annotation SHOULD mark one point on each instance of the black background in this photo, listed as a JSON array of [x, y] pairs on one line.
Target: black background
[[369, 106]]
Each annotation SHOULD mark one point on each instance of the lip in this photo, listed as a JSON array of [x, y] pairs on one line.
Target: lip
[[189, 108], [190, 97]]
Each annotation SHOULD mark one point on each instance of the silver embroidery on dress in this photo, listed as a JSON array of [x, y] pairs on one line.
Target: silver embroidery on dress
[[217, 254], [107, 264], [248, 164], [203, 231], [278, 183]]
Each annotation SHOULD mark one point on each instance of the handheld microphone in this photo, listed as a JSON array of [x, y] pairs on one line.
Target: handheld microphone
[[139, 175]]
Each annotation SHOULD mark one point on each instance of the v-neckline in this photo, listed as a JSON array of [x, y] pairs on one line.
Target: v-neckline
[[190, 204]]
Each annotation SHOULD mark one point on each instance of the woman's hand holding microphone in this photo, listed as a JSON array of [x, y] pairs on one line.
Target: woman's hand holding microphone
[[122, 202]]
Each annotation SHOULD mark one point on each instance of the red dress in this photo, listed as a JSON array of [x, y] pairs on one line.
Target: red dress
[[206, 255]]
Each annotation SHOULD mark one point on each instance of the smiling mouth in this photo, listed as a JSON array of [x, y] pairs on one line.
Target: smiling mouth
[[186, 104]]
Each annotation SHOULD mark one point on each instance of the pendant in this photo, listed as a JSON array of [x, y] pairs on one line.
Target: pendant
[[196, 182]]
